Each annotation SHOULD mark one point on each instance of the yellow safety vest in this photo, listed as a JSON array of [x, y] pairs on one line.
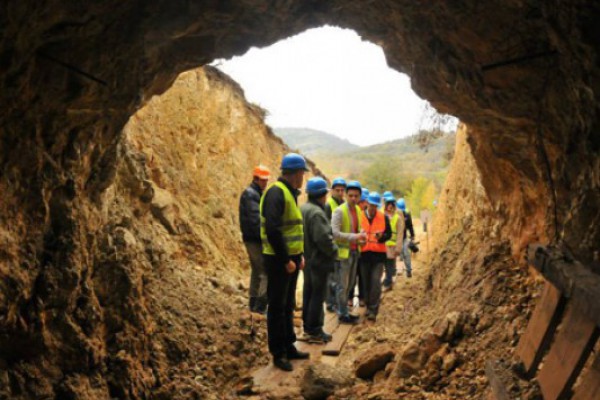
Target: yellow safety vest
[[292, 228], [394, 223], [344, 247], [333, 204]]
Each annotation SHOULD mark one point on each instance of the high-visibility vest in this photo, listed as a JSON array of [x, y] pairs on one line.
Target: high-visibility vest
[[291, 228], [333, 204], [394, 238], [343, 246], [371, 228]]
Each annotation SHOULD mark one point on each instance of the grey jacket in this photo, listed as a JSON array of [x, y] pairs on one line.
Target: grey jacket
[[319, 248]]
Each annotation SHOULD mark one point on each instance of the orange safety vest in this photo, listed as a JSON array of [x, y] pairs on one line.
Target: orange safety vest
[[371, 228]]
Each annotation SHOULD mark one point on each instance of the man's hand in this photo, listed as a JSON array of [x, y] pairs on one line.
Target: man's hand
[[302, 263], [290, 267], [362, 238]]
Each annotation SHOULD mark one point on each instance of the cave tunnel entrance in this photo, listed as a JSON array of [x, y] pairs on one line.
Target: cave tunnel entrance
[[97, 300]]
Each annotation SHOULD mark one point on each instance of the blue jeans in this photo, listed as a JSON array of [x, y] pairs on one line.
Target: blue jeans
[[344, 270], [406, 255]]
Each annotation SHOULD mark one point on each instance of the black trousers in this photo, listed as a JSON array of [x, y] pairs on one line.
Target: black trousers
[[371, 271], [281, 292], [313, 297]]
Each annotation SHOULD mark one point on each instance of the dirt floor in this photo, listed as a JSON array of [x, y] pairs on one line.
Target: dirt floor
[[446, 367]]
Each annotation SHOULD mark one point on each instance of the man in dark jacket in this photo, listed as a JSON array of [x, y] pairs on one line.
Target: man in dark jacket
[[408, 227], [250, 226], [319, 253], [282, 236]]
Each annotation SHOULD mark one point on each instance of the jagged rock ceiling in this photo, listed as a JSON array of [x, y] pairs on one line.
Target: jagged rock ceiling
[[522, 74]]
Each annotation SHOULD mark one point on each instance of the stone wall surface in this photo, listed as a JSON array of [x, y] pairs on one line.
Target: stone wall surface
[[523, 75]]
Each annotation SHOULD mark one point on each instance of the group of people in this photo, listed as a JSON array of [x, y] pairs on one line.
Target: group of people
[[351, 238]]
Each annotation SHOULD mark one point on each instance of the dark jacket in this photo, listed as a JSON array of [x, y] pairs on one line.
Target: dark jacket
[[408, 225], [250, 213], [273, 207], [319, 248]]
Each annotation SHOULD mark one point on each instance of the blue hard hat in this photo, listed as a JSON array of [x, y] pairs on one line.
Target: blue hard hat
[[316, 186], [365, 194], [293, 161], [353, 185], [387, 193], [401, 204], [374, 199], [338, 182], [389, 199]]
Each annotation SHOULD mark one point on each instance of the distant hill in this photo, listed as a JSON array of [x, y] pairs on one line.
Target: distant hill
[[393, 165], [311, 141]]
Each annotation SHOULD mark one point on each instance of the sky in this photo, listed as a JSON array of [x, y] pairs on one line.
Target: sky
[[331, 80]]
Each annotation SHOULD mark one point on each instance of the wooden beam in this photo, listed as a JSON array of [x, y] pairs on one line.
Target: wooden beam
[[589, 388], [569, 352], [340, 335], [571, 278], [536, 339]]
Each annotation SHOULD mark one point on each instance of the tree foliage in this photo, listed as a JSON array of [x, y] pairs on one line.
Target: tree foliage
[[421, 195], [383, 175]]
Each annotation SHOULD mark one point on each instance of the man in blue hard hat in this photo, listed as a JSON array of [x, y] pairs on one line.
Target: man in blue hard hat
[[346, 226], [373, 253], [393, 246], [408, 227], [282, 236], [319, 252], [338, 186]]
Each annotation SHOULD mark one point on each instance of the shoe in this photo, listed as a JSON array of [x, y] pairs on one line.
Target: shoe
[[385, 287], [294, 354], [408, 274], [326, 337], [283, 364], [315, 339], [348, 319], [371, 317]]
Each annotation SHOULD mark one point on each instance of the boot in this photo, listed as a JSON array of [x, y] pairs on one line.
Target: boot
[[261, 305], [294, 354], [283, 364]]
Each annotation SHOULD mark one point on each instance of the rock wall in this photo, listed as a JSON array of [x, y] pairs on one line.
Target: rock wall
[[522, 74], [156, 305]]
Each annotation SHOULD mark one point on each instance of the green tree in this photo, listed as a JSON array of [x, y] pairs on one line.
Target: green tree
[[421, 195]]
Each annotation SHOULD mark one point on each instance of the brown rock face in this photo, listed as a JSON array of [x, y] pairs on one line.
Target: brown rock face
[[372, 361], [522, 75]]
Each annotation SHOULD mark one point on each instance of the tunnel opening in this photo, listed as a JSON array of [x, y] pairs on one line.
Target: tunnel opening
[[78, 274]]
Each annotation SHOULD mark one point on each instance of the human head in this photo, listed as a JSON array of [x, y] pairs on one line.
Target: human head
[[363, 198], [353, 193], [338, 186], [260, 176], [373, 202], [390, 205], [316, 188], [401, 204], [293, 167]]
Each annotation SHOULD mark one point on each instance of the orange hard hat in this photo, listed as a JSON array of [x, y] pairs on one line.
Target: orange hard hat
[[261, 172]]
